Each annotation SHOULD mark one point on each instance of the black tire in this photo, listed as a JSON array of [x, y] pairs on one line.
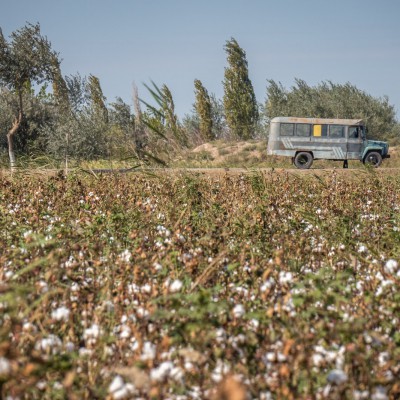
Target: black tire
[[303, 160], [373, 158]]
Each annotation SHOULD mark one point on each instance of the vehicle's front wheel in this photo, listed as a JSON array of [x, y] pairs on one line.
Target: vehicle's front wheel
[[373, 158], [303, 160]]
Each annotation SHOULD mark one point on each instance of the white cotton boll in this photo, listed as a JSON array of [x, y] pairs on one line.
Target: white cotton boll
[[41, 385], [360, 394], [43, 286], [69, 347], [317, 359], [254, 323], [91, 334], [176, 373], [267, 285], [50, 344], [125, 255], [188, 365], [383, 358], [116, 384], [281, 357], [220, 370], [157, 266], [28, 327], [285, 277], [337, 377], [391, 266], [238, 311], [146, 288], [269, 357], [74, 287], [162, 371], [382, 286], [84, 352], [125, 332], [121, 394], [5, 367], [9, 274], [60, 314], [142, 312], [175, 286], [148, 351], [362, 249], [220, 335], [379, 394]]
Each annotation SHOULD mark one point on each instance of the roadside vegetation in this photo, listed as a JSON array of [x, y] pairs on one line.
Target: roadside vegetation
[[271, 286], [49, 119]]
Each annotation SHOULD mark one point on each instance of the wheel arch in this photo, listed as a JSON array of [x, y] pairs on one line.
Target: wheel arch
[[369, 150]]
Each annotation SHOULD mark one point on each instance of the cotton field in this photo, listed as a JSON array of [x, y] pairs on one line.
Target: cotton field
[[255, 286]]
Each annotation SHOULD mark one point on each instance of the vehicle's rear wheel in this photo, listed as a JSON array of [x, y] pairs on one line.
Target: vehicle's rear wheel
[[303, 160], [373, 158]]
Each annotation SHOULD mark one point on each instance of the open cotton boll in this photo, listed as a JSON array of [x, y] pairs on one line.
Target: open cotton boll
[[238, 311], [175, 286], [60, 314], [337, 376], [391, 266], [5, 367]]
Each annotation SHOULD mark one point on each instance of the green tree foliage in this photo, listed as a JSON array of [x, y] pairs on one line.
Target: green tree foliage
[[161, 120], [241, 110], [127, 134], [97, 98], [27, 58], [80, 131], [204, 111], [171, 119], [38, 112], [60, 90], [330, 100], [219, 127]]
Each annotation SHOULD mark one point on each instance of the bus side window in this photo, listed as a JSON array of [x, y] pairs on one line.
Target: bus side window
[[303, 129], [354, 132], [320, 130], [337, 131], [287, 129]]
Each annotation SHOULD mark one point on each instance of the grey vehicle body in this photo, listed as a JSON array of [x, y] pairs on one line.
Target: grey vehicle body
[[308, 139]]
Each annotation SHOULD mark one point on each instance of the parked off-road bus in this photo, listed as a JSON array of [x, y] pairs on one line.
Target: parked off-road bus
[[309, 139]]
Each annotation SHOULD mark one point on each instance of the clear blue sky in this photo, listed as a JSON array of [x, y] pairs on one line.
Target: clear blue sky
[[177, 41]]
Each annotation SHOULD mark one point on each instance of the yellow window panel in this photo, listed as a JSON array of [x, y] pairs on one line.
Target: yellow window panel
[[317, 130]]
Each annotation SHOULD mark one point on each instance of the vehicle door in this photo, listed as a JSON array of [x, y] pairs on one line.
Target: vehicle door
[[354, 142]]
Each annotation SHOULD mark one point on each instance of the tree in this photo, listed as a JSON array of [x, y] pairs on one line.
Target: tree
[[204, 111], [171, 119], [97, 98], [161, 119], [26, 59], [241, 110], [79, 129], [60, 89], [219, 127]]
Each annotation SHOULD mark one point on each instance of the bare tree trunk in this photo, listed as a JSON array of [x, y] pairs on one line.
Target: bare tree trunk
[[13, 131], [66, 151], [10, 141]]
